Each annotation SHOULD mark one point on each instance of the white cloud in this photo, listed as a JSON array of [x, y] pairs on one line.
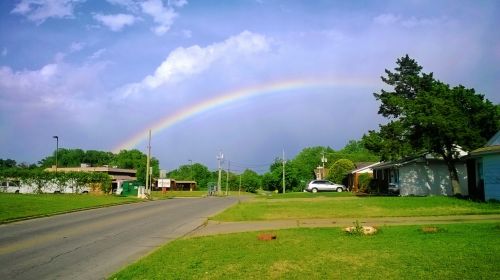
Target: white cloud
[[130, 5], [391, 19], [115, 22], [76, 46], [162, 15], [177, 3], [187, 33], [185, 62], [121, 2], [40, 10], [97, 54], [386, 19], [54, 83]]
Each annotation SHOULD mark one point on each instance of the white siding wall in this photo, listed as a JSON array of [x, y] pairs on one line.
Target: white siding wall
[[429, 179], [491, 174]]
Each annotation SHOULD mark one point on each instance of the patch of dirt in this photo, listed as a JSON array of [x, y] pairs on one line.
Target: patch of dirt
[[267, 236], [365, 230]]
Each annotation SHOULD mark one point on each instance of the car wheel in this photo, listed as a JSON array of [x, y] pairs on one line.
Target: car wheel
[[340, 190], [17, 191], [314, 190]]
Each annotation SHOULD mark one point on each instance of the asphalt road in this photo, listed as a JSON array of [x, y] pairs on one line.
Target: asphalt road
[[95, 243]]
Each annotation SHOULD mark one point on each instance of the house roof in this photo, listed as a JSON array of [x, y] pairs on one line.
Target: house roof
[[364, 166], [495, 140], [92, 169], [491, 147], [421, 158]]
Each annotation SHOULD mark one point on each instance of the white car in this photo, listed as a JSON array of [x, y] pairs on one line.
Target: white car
[[324, 186]]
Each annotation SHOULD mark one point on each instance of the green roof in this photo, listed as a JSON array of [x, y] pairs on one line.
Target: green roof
[[492, 147], [486, 150]]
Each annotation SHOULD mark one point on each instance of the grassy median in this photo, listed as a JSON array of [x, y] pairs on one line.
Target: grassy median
[[19, 206], [458, 251], [353, 206]]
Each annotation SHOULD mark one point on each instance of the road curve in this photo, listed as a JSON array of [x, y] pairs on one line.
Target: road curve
[[93, 244]]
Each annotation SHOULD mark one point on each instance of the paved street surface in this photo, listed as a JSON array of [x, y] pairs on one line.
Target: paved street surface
[[95, 243]]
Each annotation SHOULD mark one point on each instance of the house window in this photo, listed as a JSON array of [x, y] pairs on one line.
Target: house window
[[393, 176]]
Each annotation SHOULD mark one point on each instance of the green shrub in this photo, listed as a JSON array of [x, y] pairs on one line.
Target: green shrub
[[364, 182], [339, 170]]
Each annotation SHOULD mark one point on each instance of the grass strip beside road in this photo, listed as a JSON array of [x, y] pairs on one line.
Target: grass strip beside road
[[458, 251], [173, 194], [271, 195], [353, 207], [199, 193], [20, 206]]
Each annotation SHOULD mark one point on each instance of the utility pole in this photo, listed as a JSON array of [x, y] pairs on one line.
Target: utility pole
[[220, 158], [323, 160], [190, 175], [148, 185], [57, 148], [190, 169], [227, 178], [239, 190], [284, 171]]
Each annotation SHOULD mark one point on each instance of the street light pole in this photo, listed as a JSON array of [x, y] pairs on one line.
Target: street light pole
[[57, 148]]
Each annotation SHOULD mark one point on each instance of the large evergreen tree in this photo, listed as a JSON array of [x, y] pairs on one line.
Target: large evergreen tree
[[427, 115]]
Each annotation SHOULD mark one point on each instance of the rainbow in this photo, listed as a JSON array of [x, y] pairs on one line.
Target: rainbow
[[233, 96]]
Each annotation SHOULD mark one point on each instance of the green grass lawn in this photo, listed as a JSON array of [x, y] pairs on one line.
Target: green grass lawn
[[458, 251], [202, 193], [353, 207], [172, 194], [17, 206], [304, 195]]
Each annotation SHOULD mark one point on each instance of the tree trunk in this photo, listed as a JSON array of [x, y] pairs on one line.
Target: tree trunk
[[455, 184]]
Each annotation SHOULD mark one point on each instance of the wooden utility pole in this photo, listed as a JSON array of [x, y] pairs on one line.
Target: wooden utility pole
[[148, 185], [227, 177], [283, 171]]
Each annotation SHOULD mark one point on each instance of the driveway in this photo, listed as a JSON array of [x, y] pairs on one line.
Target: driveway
[[95, 243]]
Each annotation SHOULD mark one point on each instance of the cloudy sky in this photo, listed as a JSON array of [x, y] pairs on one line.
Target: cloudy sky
[[245, 77]]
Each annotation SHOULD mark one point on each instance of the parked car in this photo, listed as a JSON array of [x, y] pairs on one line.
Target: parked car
[[324, 186]]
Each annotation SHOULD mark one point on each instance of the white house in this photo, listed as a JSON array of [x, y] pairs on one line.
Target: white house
[[487, 168], [424, 175]]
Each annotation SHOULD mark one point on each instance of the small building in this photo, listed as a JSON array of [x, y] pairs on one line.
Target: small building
[[484, 170], [118, 175], [176, 185], [361, 168], [423, 175]]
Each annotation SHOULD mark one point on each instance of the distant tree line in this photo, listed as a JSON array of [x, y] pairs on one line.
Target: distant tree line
[[299, 170]]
